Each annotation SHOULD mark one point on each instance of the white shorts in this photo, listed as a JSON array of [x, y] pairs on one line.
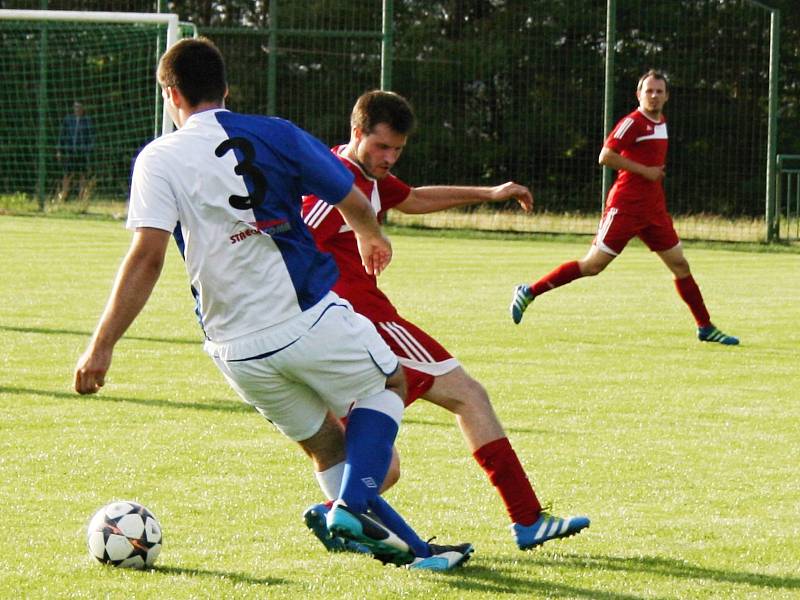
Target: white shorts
[[340, 359]]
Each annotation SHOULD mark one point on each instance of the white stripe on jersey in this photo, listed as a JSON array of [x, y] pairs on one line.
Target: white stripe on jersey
[[437, 369], [623, 128], [406, 341], [317, 214], [659, 133]]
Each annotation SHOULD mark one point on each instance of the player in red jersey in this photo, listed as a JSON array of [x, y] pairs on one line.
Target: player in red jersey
[[636, 207], [380, 125]]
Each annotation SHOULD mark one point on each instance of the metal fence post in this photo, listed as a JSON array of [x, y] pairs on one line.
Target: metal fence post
[[608, 100], [772, 127], [387, 44], [272, 59], [41, 101], [158, 118]]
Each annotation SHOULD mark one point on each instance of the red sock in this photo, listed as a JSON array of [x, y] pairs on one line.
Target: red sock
[[559, 276], [501, 464], [690, 293]]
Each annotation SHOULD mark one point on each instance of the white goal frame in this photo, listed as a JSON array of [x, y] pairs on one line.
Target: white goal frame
[[170, 20]]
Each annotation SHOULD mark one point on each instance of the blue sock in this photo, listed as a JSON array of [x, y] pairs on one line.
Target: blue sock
[[369, 438], [395, 522]]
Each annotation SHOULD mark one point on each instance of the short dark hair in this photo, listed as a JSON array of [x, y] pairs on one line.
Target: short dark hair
[[377, 106], [655, 74], [195, 66]]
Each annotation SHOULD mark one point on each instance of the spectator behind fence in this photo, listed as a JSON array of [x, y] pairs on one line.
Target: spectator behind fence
[[75, 145]]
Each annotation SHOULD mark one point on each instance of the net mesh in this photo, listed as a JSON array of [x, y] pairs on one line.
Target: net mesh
[[512, 89], [325, 54], [516, 90], [77, 102]]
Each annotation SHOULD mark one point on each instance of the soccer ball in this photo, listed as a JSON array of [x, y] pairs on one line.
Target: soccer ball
[[124, 534]]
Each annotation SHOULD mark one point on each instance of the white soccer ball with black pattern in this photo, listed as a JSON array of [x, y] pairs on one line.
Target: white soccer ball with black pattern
[[124, 534]]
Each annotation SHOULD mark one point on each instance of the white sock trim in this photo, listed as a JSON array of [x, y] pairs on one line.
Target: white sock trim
[[330, 480], [386, 402]]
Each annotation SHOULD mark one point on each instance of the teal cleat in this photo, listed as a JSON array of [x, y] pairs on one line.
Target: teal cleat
[[383, 543], [314, 517], [443, 558], [547, 527], [712, 334], [522, 298]]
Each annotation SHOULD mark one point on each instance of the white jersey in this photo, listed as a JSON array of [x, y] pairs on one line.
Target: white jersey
[[229, 187]]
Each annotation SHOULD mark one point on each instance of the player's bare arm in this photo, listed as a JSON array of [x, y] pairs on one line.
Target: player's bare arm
[[374, 247], [614, 160], [434, 198], [135, 280]]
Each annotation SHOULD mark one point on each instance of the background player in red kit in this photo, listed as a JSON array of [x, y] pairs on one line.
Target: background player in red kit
[[380, 125], [636, 206]]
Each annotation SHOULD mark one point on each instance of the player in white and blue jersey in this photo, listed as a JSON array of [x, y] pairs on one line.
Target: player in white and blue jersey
[[229, 187]]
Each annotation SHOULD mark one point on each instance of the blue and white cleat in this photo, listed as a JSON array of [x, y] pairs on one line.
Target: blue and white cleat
[[383, 543], [314, 516], [519, 302], [443, 558], [547, 527], [712, 334]]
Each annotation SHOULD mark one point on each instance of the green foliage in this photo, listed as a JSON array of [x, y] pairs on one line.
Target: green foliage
[[680, 452]]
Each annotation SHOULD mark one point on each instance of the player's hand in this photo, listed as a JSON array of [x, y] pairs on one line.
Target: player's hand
[[654, 173], [520, 193], [90, 373], [376, 253]]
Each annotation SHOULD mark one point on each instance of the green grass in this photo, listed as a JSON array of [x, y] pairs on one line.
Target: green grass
[[683, 454]]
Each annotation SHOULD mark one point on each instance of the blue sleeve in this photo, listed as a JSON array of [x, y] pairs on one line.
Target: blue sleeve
[[321, 173]]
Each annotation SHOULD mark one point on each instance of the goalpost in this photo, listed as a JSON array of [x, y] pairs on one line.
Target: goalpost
[[79, 99]]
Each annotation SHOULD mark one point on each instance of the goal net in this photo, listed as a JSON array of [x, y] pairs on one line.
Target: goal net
[[78, 100]]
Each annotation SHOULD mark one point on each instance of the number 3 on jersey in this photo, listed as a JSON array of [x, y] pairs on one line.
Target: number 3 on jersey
[[245, 168]]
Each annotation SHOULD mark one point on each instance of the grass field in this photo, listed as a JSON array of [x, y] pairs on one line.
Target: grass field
[[685, 455], [705, 227]]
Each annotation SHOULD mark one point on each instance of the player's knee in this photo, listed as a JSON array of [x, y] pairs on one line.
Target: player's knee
[[680, 268], [478, 398], [396, 383], [590, 268], [471, 398]]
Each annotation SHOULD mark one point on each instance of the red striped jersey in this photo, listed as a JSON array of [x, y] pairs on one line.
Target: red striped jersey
[[333, 235], [638, 138]]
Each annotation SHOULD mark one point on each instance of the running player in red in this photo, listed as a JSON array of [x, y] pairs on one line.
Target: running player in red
[[636, 207], [380, 125]]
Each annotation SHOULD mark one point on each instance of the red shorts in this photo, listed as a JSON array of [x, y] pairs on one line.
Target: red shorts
[[422, 357], [619, 226]]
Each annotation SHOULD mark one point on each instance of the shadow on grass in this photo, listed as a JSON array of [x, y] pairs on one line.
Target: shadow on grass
[[217, 405], [232, 577], [450, 423], [88, 334], [673, 567], [475, 578]]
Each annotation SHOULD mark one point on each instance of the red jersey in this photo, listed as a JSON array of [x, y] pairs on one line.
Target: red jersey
[[639, 138], [422, 357], [333, 235]]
